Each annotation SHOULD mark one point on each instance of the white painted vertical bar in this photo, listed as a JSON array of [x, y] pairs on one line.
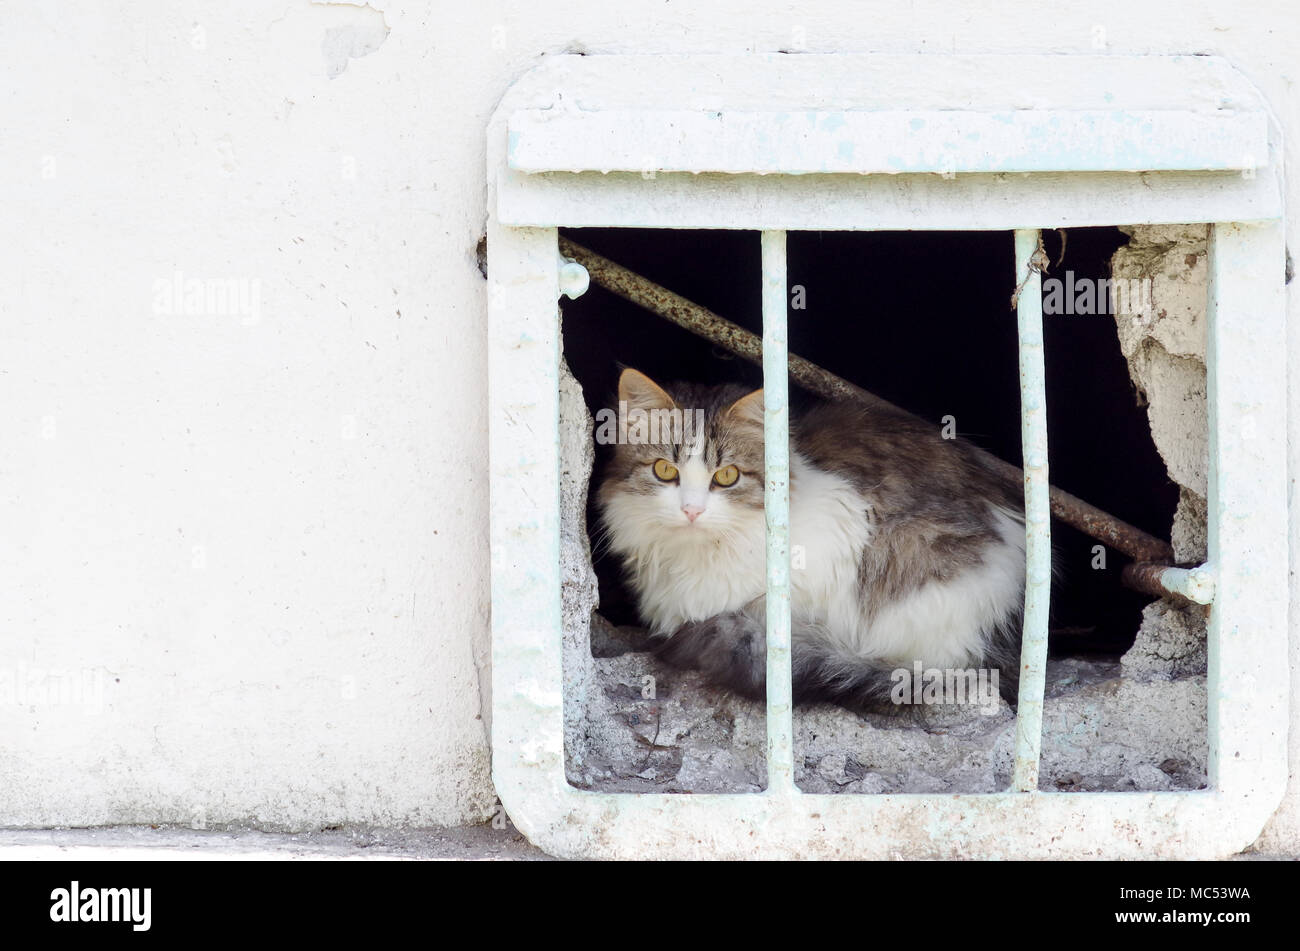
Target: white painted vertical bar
[[524, 524], [1248, 484], [1038, 523], [776, 501]]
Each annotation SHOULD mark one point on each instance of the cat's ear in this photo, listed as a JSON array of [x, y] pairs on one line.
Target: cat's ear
[[748, 409], [638, 391]]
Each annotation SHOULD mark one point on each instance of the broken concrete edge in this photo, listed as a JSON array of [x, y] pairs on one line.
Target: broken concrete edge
[[1164, 343]]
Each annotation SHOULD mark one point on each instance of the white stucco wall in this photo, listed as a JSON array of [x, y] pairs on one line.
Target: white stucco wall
[[257, 533]]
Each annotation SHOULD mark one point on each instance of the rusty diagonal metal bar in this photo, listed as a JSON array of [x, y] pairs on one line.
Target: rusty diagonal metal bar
[[1089, 519]]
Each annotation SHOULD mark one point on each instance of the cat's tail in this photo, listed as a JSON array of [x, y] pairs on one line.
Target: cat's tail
[[823, 675], [731, 650]]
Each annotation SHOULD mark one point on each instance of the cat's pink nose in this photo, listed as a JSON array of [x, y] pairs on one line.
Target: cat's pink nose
[[692, 511]]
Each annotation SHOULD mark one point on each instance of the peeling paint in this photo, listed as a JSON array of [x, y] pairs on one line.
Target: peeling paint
[[364, 33]]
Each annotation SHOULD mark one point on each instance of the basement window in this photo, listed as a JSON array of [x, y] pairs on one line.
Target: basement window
[[948, 354], [770, 150]]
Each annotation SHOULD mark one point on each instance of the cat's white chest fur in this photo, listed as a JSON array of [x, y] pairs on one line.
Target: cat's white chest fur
[[687, 575]]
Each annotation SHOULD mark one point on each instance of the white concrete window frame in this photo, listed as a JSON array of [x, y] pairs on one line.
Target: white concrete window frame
[[874, 142]]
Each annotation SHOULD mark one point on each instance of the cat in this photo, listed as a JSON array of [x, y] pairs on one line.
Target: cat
[[908, 547]]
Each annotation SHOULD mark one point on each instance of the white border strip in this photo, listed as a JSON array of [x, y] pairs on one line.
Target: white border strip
[[890, 142]]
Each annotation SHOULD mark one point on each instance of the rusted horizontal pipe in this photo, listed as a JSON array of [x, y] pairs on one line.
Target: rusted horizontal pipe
[[1189, 588], [629, 285]]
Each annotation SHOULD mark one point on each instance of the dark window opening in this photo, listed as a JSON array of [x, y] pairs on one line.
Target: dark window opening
[[924, 320]]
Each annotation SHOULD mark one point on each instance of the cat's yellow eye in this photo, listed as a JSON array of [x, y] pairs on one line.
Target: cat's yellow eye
[[726, 476], [664, 470]]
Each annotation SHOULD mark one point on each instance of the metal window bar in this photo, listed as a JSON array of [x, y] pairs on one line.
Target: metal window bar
[[1038, 519], [776, 504]]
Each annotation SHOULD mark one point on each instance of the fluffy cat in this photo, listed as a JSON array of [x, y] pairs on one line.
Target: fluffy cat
[[909, 548]]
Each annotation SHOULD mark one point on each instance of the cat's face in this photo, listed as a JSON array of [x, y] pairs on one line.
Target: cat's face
[[688, 462]]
